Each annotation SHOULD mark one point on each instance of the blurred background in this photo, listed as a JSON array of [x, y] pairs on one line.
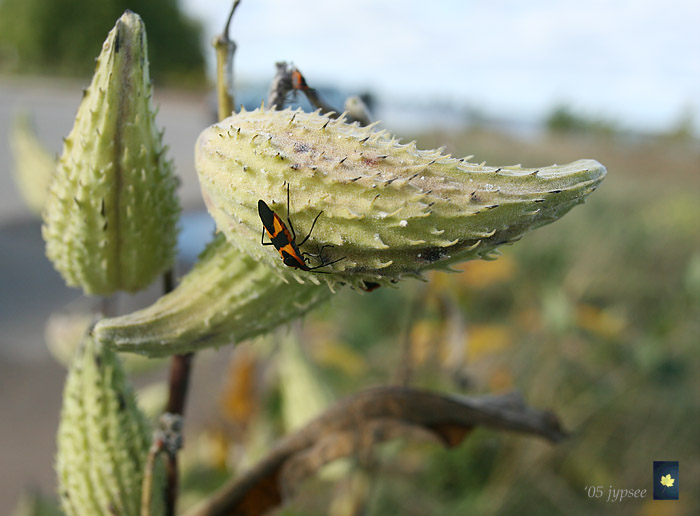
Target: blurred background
[[596, 317]]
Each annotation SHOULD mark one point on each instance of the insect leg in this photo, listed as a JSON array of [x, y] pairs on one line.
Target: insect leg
[[289, 220], [312, 228], [326, 264]]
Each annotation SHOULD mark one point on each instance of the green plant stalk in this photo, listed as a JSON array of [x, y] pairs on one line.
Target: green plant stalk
[[225, 48]]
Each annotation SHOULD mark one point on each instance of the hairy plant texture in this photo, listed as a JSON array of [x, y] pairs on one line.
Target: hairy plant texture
[[111, 213], [227, 297], [388, 209], [103, 438]]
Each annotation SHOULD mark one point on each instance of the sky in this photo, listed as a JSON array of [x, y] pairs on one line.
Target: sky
[[636, 62]]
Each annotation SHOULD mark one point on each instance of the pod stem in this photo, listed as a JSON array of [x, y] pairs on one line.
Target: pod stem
[[180, 367], [169, 441], [225, 48]]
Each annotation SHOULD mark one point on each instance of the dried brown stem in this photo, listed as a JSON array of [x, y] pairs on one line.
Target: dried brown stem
[[147, 486], [372, 416], [280, 86], [178, 385]]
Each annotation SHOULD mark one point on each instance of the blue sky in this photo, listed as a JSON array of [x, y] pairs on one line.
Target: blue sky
[[633, 61]]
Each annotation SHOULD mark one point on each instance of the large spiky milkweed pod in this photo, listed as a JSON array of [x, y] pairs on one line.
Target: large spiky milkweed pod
[[103, 438], [110, 221], [389, 210]]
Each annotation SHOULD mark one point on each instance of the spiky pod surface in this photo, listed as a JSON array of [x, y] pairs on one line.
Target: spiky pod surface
[[110, 221], [103, 438], [227, 297], [389, 210]]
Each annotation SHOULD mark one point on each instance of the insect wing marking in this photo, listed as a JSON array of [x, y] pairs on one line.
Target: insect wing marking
[[267, 216]]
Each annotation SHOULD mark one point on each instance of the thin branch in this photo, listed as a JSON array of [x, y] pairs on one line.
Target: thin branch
[[280, 86], [226, 32], [169, 436], [225, 48], [181, 365], [179, 383], [392, 411], [299, 84], [147, 485], [169, 440]]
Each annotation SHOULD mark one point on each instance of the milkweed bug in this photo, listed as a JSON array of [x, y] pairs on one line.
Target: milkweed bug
[[298, 81], [284, 241]]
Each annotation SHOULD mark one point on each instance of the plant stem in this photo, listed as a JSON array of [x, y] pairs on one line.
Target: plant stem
[[180, 365], [179, 382], [147, 487], [225, 48], [352, 426]]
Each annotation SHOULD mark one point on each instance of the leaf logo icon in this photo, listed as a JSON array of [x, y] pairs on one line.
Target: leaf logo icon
[[667, 481]]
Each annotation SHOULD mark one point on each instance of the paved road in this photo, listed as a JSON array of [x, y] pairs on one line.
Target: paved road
[[30, 380], [53, 105]]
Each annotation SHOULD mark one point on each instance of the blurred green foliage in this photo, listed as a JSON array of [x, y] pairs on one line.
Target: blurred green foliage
[[63, 37], [684, 129], [564, 119]]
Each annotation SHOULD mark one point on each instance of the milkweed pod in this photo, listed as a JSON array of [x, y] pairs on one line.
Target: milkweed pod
[[110, 221], [103, 438], [227, 297], [389, 210]]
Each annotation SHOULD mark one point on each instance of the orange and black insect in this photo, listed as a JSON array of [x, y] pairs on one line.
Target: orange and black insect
[[284, 241]]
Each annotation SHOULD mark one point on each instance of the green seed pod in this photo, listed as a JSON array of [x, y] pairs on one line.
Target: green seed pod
[[227, 297], [34, 164], [111, 214], [103, 438], [388, 210]]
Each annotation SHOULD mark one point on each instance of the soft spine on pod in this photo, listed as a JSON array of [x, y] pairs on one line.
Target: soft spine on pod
[[227, 297], [389, 209], [110, 221], [103, 438]]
